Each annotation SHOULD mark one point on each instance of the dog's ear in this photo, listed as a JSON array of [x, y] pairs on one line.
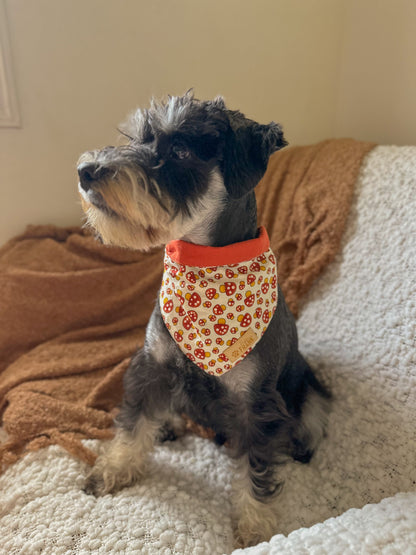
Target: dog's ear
[[248, 146]]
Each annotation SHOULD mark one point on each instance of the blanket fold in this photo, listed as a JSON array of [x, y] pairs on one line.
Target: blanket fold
[[74, 311]]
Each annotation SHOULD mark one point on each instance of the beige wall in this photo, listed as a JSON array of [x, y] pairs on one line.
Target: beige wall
[[376, 97], [81, 65]]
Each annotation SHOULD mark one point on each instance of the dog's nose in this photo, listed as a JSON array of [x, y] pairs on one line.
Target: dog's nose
[[90, 173]]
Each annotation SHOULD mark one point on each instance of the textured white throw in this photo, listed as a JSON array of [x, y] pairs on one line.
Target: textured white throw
[[358, 328]]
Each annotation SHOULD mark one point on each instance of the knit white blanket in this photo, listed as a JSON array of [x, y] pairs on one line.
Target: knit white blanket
[[358, 329]]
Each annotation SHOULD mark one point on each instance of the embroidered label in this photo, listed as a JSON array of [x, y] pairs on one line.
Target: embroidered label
[[242, 345]]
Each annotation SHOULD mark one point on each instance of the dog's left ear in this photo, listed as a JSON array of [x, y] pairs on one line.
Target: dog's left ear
[[248, 146]]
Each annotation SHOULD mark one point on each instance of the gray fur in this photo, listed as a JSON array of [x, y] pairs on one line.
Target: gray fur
[[259, 417]]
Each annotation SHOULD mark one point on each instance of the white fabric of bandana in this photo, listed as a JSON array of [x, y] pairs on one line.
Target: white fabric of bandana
[[217, 313]]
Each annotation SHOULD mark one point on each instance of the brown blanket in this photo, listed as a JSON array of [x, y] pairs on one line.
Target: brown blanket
[[73, 311]]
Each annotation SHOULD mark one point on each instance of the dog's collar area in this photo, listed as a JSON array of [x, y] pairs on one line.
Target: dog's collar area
[[200, 256], [215, 311]]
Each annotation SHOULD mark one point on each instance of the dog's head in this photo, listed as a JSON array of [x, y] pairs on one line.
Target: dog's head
[[183, 159]]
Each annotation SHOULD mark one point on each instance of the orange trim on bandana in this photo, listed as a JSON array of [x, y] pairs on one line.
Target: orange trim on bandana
[[200, 256]]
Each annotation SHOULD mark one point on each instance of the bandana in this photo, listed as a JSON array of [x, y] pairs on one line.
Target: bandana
[[217, 302]]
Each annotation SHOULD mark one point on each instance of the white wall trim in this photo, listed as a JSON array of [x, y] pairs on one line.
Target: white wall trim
[[9, 109]]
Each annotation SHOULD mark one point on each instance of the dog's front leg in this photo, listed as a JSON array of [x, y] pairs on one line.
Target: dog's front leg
[[123, 460], [143, 414], [255, 517]]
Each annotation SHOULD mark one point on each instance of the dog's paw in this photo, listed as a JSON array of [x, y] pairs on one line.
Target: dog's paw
[[244, 537], [95, 485], [111, 474]]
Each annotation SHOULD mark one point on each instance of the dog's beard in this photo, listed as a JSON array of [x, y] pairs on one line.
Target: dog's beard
[[133, 212], [128, 215]]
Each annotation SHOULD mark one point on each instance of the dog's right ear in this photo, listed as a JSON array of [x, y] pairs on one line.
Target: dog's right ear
[[248, 146]]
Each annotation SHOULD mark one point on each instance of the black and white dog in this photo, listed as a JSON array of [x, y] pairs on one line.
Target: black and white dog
[[221, 345]]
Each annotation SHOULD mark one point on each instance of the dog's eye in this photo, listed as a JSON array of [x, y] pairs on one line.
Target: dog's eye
[[180, 150]]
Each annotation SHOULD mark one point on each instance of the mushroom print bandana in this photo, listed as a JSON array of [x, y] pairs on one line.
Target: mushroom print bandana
[[217, 302]]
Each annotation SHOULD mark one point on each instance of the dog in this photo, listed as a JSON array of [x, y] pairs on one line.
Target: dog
[[221, 345]]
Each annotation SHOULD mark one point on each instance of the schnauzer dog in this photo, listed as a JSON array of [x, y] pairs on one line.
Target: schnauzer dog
[[221, 345]]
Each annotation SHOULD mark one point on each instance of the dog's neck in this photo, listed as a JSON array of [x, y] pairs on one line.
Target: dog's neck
[[235, 222]]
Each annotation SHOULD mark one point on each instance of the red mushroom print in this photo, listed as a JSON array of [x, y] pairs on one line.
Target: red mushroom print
[[200, 353], [194, 300], [218, 309], [187, 324], [229, 288], [221, 327], [274, 282], [178, 335], [208, 342], [167, 305], [230, 302], [239, 296], [201, 273], [207, 304], [230, 274], [230, 316], [193, 315], [190, 356], [212, 318], [242, 269], [258, 313], [266, 316], [202, 321], [203, 283], [251, 279], [190, 276], [250, 298], [211, 293], [245, 320], [255, 267], [264, 288]]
